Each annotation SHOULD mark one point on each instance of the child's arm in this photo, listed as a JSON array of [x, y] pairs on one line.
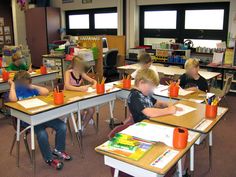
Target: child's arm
[[162, 104], [89, 79], [42, 90], [12, 92], [30, 68], [156, 112], [68, 86]]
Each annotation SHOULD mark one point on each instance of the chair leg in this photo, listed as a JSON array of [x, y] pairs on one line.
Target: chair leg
[[27, 147], [97, 119], [13, 144], [70, 132]]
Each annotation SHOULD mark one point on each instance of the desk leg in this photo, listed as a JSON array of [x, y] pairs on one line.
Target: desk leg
[[97, 118], [33, 149], [180, 168], [116, 173], [210, 149], [78, 133], [192, 159], [52, 83], [18, 143], [111, 107], [125, 108]]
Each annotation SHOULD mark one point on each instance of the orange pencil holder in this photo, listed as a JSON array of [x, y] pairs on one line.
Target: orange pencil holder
[[5, 75], [126, 83], [211, 111], [58, 98], [174, 91], [180, 138], [43, 70], [100, 88]]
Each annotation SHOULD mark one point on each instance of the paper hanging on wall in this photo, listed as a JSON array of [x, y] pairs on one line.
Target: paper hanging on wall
[[218, 58], [1, 30], [7, 30], [8, 39]]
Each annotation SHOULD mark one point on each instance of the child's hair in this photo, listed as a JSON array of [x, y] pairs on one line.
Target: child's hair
[[191, 63], [145, 58], [16, 56], [77, 61], [22, 76], [147, 75]]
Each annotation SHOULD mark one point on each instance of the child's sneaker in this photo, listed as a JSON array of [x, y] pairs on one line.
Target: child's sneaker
[[91, 122], [58, 165], [61, 155]]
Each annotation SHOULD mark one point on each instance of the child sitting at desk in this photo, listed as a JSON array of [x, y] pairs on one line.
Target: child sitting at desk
[[74, 79], [143, 106], [21, 88], [140, 101], [18, 63], [192, 80], [145, 62]]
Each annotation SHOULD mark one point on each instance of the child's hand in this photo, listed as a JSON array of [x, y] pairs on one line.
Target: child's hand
[[179, 109], [172, 109], [30, 68], [84, 88]]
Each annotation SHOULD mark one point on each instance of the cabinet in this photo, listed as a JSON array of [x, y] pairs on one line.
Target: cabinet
[[42, 28]]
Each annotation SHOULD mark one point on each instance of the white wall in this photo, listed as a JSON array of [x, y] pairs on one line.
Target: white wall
[[18, 24]]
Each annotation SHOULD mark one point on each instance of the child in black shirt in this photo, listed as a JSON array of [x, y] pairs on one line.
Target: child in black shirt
[[192, 80], [141, 104]]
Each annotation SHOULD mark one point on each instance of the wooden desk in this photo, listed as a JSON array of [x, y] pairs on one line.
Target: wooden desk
[[192, 119], [74, 102], [142, 167], [36, 78], [168, 71]]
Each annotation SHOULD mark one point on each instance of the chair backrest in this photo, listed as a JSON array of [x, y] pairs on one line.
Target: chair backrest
[[119, 128], [110, 59], [227, 85]]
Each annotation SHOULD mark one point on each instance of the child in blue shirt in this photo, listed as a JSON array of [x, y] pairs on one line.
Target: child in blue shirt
[[21, 88]]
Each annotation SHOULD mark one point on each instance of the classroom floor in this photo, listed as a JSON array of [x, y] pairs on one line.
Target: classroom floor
[[224, 151]]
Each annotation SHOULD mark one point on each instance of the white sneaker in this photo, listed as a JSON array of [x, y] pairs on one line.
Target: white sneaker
[[91, 122]]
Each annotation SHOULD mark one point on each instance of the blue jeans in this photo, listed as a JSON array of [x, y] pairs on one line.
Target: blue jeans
[[40, 130]]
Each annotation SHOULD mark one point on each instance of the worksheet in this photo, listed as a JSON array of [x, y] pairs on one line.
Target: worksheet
[[186, 109], [165, 158], [161, 90], [203, 124], [90, 90], [32, 103], [183, 92]]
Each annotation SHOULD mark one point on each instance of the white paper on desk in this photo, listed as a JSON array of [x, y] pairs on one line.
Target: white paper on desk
[[90, 90], [186, 109], [111, 87], [183, 92], [195, 100], [165, 158], [151, 132], [32, 103], [220, 111], [161, 90], [33, 73]]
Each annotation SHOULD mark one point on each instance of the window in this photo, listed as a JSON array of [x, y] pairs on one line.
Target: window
[[204, 19], [111, 21], [160, 19], [79, 21], [205, 23], [92, 22]]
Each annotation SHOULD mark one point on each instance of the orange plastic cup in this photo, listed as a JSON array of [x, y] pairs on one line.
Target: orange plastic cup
[[180, 138], [100, 88], [58, 98], [5, 75], [126, 83], [43, 70], [211, 111], [174, 91]]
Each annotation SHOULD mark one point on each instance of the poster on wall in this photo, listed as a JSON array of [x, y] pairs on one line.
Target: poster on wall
[[67, 1], [8, 39], [1, 30], [1, 21], [6, 30], [1, 40]]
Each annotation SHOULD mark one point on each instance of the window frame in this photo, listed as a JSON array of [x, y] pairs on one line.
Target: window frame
[[91, 30], [180, 33]]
